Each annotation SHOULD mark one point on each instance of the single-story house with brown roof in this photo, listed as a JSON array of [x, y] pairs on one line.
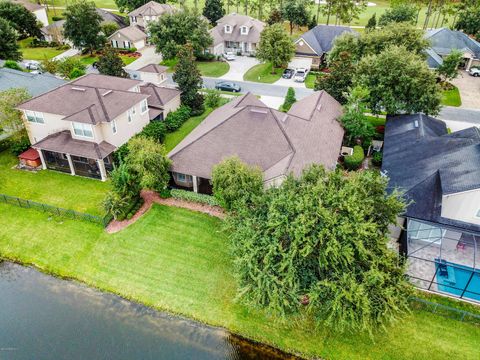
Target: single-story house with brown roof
[[279, 143], [129, 37]]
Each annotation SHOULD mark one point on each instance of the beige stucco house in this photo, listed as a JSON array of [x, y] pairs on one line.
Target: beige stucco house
[[236, 33], [279, 143], [151, 11], [129, 37], [76, 127], [161, 100], [152, 73], [38, 10]]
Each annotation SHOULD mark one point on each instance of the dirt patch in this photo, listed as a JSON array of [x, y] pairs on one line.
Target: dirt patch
[[150, 197]]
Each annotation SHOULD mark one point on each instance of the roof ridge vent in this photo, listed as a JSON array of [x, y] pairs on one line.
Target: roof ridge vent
[[284, 118], [259, 111], [79, 89], [319, 107], [415, 123], [107, 92]]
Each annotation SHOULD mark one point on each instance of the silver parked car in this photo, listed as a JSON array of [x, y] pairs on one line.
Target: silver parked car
[[300, 75], [229, 56], [474, 72]]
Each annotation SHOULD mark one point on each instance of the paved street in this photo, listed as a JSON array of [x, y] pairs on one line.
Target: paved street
[[471, 116]]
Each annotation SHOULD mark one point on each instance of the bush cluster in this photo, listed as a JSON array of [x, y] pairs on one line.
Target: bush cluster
[[289, 100], [353, 162], [17, 146], [155, 130], [176, 118], [12, 64], [205, 57], [194, 197], [131, 210], [377, 158]]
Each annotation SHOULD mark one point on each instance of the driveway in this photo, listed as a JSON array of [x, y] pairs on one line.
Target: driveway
[[239, 67], [149, 56], [69, 53], [469, 87], [289, 83]]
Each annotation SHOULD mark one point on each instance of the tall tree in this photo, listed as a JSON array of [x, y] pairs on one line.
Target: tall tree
[[10, 117], [294, 254], [213, 11], [449, 68], [188, 77], [130, 5], [9, 49], [82, 25], [469, 19], [354, 121], [172, 31], [110, 63], [372, 23], [296, 12], [399, 82], [399, 13], [22, 20], [339, 80], [275, 46]]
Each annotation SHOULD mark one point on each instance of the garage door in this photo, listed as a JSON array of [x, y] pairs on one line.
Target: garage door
[[297, 63]]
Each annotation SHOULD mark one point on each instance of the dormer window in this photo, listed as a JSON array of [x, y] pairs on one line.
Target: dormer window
[[228, 29], [133, 19], [244, 30]]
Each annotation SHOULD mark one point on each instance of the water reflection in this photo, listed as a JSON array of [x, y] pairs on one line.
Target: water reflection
[[42, 317]]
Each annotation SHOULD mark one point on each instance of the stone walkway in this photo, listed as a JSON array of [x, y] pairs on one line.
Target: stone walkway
[[151, 197]]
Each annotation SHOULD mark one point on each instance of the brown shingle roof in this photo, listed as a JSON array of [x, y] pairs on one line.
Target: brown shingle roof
[[82, 103], [277, 142], [29, 5], [132, 33], [154, 68], [159, 96], [236, 21], [152, 8], [63, 142], [106, 82]]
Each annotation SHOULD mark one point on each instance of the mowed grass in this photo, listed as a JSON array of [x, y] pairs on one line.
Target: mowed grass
[[310, 81], [39, 53], [179, 261], [262, 73], [89, 60], [174, 138], [52, 188], [213, 69], [451, 97]]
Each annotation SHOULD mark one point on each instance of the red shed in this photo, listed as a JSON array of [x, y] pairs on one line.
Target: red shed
[[30, 157]]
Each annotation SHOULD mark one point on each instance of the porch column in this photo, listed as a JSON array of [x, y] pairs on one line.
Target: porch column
[[101, 167], [70, 163], [469, 64], [44, 164], [195, 184]]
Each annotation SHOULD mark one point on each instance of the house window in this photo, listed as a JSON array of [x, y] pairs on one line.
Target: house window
[[133, 19], [134, 111], [126, 44], [114, 126], [144, 107], [115, 43], [478, 213], [36, 117], [228, 29], [84, 130], [244, 30], [147, 18], [184, 178], [129, 115]]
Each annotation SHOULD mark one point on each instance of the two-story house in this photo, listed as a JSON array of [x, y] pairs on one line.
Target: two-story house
[[236, 33], [439, 173], [151, 11], [76, 127]]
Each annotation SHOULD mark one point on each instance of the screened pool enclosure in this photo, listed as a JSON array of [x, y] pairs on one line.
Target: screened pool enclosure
[[443, 260]]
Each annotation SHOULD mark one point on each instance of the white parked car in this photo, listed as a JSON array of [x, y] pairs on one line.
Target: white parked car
[[474, 72], [32, 65], [229, 56], [300, 75]]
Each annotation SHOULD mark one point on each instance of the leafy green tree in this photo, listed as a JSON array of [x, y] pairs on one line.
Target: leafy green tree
[[10, 117], [296, 12], [235, 182], [66, 66], [148, 159], [372, 23], [344, 11], [400, 13], [9, 48], [155, 130], [22, 20], [110, 63], [449, 68], [318, 243], [289, 100], [213, 98], [340, 78], [130, 5], [275, 46], [188, 77], [399, 82], [12, 64], [355, 122], [274, 17], [82, 25], [469, 19], [172, 32], [109, 28], [213, 11]]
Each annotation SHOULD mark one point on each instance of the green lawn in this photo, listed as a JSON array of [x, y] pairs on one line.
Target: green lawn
[[50, 187], [172, 139], [39, 53], [213, 68], [310, 80], [451, 97], [179, 261], [376, 121], [89, 60], [262, 73]]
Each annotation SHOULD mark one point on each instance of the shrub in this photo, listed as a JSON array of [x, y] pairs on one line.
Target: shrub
[[132, 50], [65, 66], [198, 107], [155, 130], [19, 145], [205, 57], [377, 158], [289, 100], [176, 118], [75, 73], [353, 162], [11, 64], [194, 197], [115, 204], [120, 154], [212, 99]]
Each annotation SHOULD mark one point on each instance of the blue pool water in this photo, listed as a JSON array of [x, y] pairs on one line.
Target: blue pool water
[[456, 279]]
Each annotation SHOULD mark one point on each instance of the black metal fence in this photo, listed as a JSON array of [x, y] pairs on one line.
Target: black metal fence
[[54, 210], [444, 310]]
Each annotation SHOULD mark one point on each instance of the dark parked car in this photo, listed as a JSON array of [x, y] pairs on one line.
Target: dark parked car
[[227, 86], [288, 73]]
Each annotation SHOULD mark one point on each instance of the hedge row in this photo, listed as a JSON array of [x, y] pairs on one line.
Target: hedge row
[[194, 197], [176, 118], [353, 162]]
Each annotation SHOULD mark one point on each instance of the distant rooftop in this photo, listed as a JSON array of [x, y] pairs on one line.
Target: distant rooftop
[[321, 37], [36, 84]]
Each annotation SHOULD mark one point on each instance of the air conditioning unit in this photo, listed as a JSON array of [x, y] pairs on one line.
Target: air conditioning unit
[[346, 151]]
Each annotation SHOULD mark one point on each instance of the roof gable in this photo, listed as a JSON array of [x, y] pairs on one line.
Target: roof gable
[[321, 37], [444, 40]]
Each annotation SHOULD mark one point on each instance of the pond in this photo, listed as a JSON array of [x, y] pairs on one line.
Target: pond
[[42, 317]]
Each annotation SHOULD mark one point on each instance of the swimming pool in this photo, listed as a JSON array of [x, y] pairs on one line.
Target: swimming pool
[[453, 278]]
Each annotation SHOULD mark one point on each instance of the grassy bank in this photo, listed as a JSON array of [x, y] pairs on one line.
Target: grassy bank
[[37, 53], [207, 68], [177, 260], [262, 73], [451, 97]]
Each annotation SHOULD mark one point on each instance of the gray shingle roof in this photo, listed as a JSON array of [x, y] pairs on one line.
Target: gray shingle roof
[[444, 40], [278, 143], [152, 8], [236, 21], [35, 84], [321, 37]]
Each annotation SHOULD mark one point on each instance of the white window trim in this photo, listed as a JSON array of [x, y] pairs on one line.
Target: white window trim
[[36, 115], [114, 127], [242, 30], [82, 125], [134, 110], [181, 177], [229, 27], [146, 106], [129, 116]]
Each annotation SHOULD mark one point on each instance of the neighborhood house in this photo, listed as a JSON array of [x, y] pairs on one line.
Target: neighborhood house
[[129, 37], [440, 174], [35, 84], [236, 33], [36, 9], [279, 143], [151, 11]]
